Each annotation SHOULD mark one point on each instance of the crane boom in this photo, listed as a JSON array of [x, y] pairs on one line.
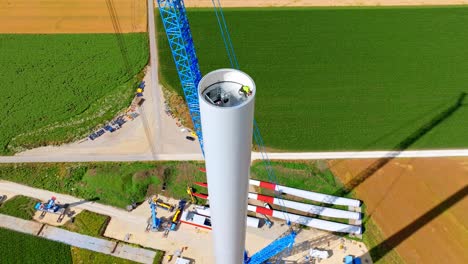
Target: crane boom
[[272, 249], [178, 33]]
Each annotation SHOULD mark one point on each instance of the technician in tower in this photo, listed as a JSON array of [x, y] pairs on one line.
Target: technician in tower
[[245, 90]]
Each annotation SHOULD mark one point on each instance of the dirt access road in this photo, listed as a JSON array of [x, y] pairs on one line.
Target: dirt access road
[[199, 241], [420, 204], [72, 16]]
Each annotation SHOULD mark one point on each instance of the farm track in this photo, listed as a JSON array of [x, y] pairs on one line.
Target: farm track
[[86, 157]]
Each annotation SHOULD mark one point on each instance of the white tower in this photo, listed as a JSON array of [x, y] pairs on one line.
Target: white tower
[[227, 125]]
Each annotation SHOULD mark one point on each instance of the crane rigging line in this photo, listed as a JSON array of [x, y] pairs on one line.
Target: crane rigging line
[[228, 46], [257, 136], [224, 27]]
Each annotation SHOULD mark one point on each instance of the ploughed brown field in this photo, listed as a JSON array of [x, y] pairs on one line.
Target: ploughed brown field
[[421, 205]]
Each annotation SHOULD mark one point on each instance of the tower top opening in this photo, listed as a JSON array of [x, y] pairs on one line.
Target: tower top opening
[[226, 88]]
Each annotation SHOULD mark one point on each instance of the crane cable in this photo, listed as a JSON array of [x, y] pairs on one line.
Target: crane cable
[[225, 34]]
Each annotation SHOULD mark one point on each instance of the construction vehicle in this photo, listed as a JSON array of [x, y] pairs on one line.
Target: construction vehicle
[[109, 128], [348, 259], [163, 205], [267, 221], [190, 192], [51, 207], [155, 223], [176, 218], [2, 198], [140, 89], [142, 85], [139, 92]]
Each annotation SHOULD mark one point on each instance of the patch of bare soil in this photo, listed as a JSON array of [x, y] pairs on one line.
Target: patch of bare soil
[[421, 205]]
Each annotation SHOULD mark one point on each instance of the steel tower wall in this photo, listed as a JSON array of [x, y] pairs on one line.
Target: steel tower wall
[[227, 127]]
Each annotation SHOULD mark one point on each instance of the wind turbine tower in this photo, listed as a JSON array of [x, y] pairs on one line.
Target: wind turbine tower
[[226, 98]]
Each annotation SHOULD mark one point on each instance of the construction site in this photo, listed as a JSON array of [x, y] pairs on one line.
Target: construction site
[[237, 199]]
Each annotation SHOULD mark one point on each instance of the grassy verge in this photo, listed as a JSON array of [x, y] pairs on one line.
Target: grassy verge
[[56, 88], [342, 79], [158, 259], [21, 248], [19, 206], [117, 184], [83, 256], [372, 238], [307, 175], [88, 223]]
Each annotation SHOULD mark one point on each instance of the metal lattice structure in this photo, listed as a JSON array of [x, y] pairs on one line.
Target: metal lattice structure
[[272, 249], [178, 33]]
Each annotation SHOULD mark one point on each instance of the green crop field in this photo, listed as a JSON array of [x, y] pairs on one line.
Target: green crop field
[[345, 78], [19, 206], [56, 88], [21, 248]]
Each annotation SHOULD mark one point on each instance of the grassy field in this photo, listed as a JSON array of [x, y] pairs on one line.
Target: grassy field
[[83, 256], [116, 184], [344, 79], [309, 175], [19, 206], [88, 223], [21, 249], [56, 88]]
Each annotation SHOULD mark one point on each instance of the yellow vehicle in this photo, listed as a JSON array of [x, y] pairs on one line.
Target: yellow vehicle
[[190, 192], [175, 218], [164, 205]]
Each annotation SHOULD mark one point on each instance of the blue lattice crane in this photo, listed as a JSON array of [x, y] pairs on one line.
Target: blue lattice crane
[[176, 25], [178, 33]]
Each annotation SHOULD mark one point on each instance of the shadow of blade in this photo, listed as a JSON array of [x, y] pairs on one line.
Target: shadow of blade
[[82, 202], [379, 251], [148, 134], [118, 35], [403, 145]]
